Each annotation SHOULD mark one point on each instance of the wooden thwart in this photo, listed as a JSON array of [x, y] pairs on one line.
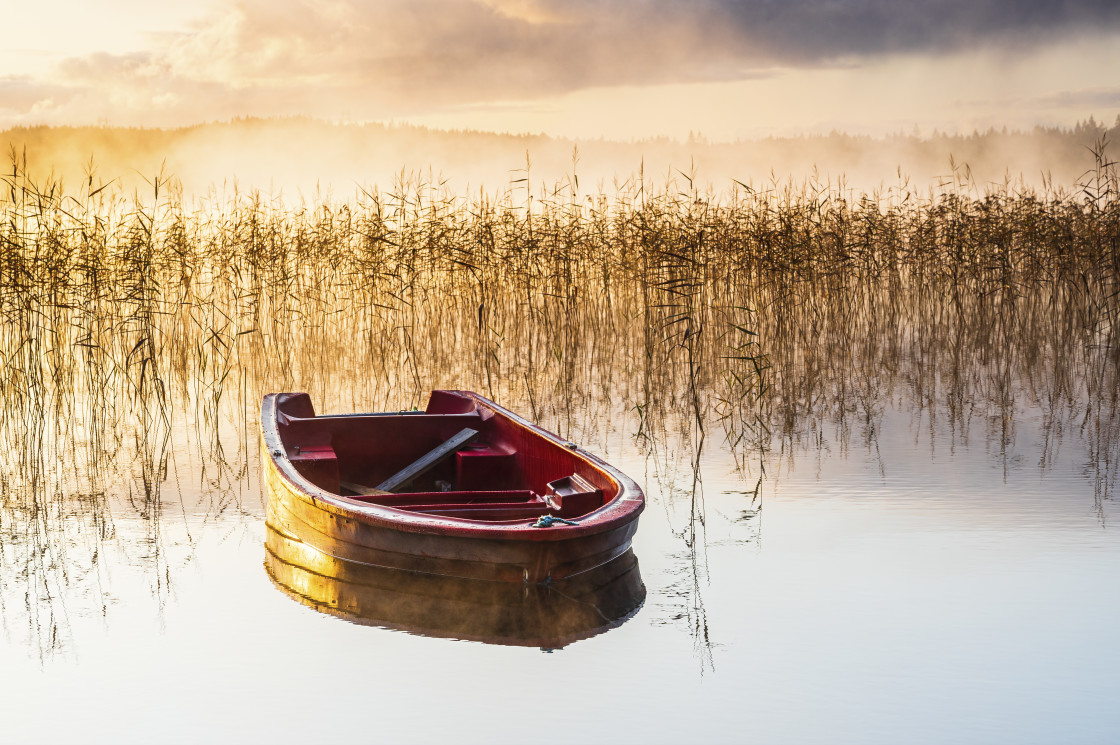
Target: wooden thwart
[[417, 468], [362, 490]]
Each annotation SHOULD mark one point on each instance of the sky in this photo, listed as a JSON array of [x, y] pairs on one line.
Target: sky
[[619, 69]]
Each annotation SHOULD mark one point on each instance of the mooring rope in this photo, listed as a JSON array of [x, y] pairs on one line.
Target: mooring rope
[[547, 521]]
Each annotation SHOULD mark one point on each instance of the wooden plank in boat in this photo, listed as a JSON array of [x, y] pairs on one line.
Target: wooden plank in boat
[[428, 461], [363, 491]]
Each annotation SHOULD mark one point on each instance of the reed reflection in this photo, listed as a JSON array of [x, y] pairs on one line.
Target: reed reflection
[[549, 616], [88, 531]]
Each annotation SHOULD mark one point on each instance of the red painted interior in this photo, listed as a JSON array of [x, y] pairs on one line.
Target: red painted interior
[[503, 475]]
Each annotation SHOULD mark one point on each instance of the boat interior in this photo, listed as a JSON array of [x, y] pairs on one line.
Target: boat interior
[[457, 458]]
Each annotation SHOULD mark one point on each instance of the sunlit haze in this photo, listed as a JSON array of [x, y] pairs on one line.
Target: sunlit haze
[[619, 70]]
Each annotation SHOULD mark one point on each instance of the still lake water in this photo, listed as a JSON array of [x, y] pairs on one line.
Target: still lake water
[[897, 582]]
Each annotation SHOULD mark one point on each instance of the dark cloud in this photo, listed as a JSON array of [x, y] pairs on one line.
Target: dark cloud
[[816, 31]]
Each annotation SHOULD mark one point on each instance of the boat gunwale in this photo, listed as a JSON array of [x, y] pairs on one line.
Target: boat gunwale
[[625, 507]]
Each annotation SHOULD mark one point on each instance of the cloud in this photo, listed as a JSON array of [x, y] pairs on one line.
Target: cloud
[[23, 93], [1088, 98], [522, 47], [449, 49], [381, 58]]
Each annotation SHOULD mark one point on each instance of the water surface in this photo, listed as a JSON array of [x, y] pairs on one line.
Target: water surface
[[879, 447], [896, 588]]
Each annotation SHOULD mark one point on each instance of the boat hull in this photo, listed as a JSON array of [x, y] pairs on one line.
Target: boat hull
[[512, 551]]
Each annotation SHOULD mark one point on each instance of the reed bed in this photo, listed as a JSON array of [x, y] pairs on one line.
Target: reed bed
[[760, 314], [141, 309]]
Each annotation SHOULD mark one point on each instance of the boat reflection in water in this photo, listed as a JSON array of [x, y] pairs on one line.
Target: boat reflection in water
[[548, 615]]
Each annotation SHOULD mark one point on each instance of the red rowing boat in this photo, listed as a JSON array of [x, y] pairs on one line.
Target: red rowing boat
[[464, 488]]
